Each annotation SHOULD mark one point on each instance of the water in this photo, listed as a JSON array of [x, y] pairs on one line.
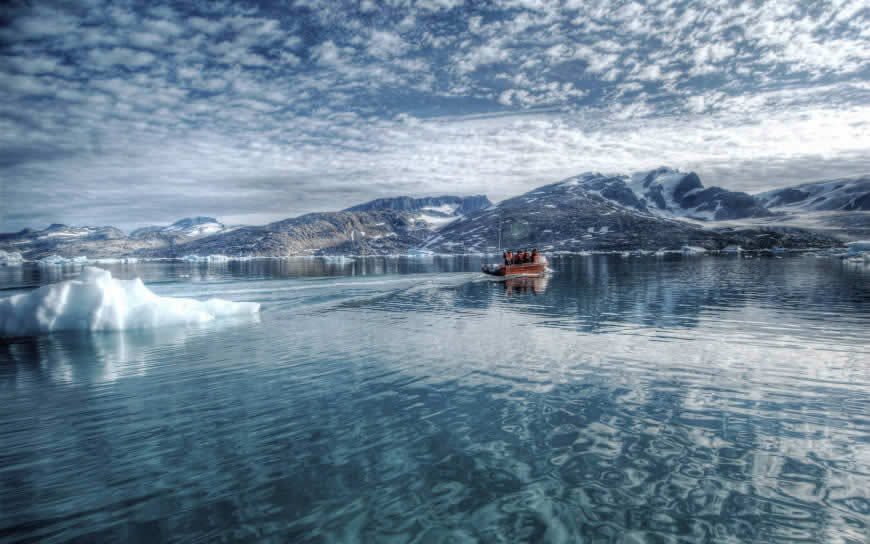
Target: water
[[711, 399]]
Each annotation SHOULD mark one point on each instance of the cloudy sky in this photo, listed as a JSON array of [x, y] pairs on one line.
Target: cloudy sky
[[133, 113]]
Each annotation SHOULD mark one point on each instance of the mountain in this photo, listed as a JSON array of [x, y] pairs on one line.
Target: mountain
[[846, 194], [435, 212], [65, 240], [586, 212], [330, 233], [189, 226], [454, 205], [665, 192], [840, 207], [594, 212]]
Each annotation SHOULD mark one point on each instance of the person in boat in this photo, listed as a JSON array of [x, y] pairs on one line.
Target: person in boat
[[527, 256], [534, 255], [505, 256]]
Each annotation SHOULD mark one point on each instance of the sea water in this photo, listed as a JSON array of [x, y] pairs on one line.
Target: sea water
[[643, 399]]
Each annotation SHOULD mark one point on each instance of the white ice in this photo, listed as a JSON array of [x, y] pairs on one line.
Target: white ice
[[692, 250], [58, 260], [10, 259], [217, 258], [98, 302]]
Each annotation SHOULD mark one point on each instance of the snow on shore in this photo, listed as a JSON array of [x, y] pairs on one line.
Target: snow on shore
[[98, 302]]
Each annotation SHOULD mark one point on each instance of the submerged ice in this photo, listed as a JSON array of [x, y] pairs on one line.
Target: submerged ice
[[98, 302]]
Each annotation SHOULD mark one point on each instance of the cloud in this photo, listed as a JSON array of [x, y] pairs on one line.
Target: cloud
[[119, 56], [273, 110]]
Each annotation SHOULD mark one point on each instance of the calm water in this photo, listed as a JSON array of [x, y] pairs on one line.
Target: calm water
[[634, 400]]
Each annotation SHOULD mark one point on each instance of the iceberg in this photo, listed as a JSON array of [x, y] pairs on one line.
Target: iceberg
[[10, 259], [98, 302]]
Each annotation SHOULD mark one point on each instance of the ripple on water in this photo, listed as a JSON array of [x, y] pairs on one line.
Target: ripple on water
[[691, 400]]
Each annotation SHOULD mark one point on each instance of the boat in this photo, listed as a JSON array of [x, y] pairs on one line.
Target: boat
[[522, 269]]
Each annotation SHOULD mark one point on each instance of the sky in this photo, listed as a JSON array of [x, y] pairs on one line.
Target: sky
[[137, 113]]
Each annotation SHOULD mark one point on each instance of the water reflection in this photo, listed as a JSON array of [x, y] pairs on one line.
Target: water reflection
[[77, 357], [618, 400], [526, 285]]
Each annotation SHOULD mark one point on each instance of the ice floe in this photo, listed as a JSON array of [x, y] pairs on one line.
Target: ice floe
[[98, 302]]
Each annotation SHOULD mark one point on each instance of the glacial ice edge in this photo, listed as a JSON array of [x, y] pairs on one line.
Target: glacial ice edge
[[98, 302]]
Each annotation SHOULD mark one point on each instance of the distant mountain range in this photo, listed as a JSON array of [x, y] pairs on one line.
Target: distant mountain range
[[595, 212], [659, 209]]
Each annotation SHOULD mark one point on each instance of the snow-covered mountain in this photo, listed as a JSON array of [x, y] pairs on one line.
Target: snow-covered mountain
[[666, 192], [846, 194], [189, 226], [595, 212], [585, 212], [430, 212]]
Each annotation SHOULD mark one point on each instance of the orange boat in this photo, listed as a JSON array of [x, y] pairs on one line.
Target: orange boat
[[522, 269]]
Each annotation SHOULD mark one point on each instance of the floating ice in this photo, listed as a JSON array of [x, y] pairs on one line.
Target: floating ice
[[98, 302], [692, 250], [420, 253], [337, 259], [10, 259], [117, 260], [217, 258], [58, 260]]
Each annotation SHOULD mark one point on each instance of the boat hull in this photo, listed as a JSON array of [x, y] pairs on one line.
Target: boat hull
[[517, 269]]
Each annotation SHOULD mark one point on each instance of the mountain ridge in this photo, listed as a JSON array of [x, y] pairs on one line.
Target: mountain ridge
[[592, 211]]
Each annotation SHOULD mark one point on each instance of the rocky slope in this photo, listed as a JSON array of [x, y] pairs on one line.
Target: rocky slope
[[334, 233], [71, 242]]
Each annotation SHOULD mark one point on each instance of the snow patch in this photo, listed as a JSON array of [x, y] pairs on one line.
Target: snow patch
[[446, 209]]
